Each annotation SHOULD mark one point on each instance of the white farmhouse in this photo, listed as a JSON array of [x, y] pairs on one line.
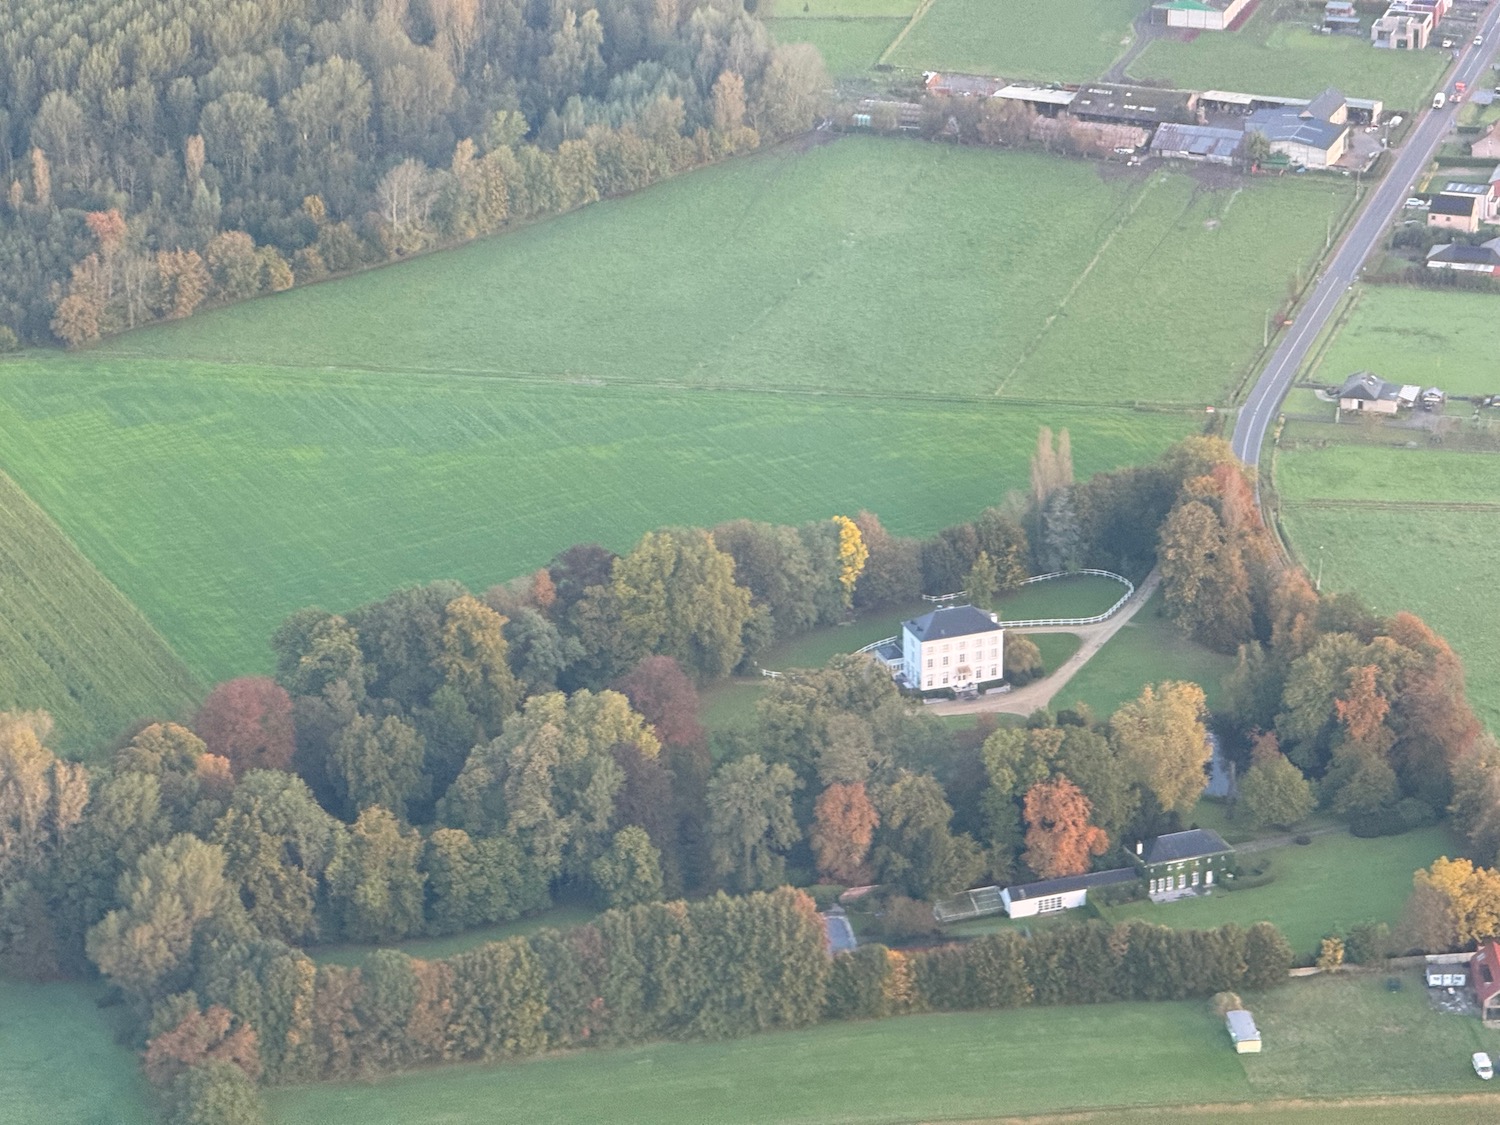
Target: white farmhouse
[[954, 647]]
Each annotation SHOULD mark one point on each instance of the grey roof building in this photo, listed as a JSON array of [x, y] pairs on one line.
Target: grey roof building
[[1197, 142], [1178, 847], [951, 621]]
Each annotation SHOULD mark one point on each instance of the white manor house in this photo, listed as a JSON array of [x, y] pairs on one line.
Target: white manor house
[[956, 647]]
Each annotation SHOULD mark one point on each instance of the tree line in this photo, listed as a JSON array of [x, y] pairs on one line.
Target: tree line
[[155, 157]]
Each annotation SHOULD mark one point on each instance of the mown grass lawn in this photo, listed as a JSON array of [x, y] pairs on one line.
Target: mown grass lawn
[[850, 45], [59, 1063], [71, 643], [1278, 52], [1147, 650], [1047, 40], [1337, 880]]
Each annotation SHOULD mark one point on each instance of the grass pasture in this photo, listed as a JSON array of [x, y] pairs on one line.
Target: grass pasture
[[1046, 40], [59, 1063], [1337, 1037], [849, 45], [1278, 52], [72, 644], [1336, 880]]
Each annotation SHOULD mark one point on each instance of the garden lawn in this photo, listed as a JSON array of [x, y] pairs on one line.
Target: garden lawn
[[1079, 595], [1277, 52], [1148, 649], [432, 948], [59, 1063], [221, 499], [868, 264], [1337, 880], [72, 644], [917, 1068], [1430, 337], [1047, 40], [849, 45]]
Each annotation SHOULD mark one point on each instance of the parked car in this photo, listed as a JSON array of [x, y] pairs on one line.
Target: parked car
[[1482, 1066], [1479, 40], [1414, 203]]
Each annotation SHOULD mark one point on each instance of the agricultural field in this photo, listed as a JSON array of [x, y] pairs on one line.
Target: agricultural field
[[1337, 880], [851, 35], [1044, 40], [72, 644], [59, 1062], [1278, 52], [1335, 1037]]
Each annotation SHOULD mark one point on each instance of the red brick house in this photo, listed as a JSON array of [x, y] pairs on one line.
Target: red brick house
[[1484, 974]]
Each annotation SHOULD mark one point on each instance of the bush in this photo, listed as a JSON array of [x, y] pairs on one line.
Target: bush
[[1381, 822], [8, 340], [904, 919], [1367, 943], [1415, 813], [213, 1093], [1302, 841]]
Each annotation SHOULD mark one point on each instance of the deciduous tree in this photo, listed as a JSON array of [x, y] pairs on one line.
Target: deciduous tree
[[844, 823], [248, 721], [1060, 839], [1163, 744], [751, 822]]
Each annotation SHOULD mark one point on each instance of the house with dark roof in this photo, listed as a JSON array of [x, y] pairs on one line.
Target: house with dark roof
[[1456, 210], [1183, 862], [1202, 143], [1484, 976], [1314, 135], [1145, 106], [1366, 391], [957, 647], [1484, 258], [1027, 900]]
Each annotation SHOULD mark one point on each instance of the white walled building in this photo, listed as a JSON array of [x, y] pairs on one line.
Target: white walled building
[[953, 647]]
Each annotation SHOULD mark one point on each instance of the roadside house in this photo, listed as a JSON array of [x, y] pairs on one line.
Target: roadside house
[[1402, 29], [954, 647], [1314, 135], [1183, 861], [1484, 258], [1455, 211], [1366, 391], [1484, 975]]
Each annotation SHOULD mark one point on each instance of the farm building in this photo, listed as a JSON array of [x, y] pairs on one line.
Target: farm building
[[1199, 15], [1339, 16], [1402, 30], [1104, 138], [1134, 105], [886, 115], [1039, 99], [1066, 893], [1488, 146], [1197, 142], [1243, 1032], [1368, 392], [1314, 135], [1484, 258], [1183, 862], [952, 647], [1447, 970], [962, 85], [1360, 111], [1456, 211], [1484, 974]]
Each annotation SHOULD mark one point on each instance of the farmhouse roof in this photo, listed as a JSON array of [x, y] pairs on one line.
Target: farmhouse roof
[[1195, 843], [1452, 203], [1325, 105], [1071, 883], [1197, 140], [1484, 971], [1466, 255], [1368, 386], [951, 621], [1135, 104], [1295, 125]]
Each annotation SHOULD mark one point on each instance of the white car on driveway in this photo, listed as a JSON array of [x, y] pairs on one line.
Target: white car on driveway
[[1482, 1066]]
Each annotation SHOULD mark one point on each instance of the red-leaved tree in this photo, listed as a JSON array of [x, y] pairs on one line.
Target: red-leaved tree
[[1059, 838], [249, 722], [661, 691], [844, 823]]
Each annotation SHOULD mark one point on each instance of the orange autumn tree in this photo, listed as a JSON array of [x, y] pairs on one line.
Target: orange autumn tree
[[844, 823], [1059, 838]]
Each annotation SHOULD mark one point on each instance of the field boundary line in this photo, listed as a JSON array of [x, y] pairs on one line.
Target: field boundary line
[[916, 17], [1036, 342], [1272, 1105], [1479, 507]]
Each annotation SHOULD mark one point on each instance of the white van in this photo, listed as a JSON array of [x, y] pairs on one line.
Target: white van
[[1482, 1066], [1438, 100]]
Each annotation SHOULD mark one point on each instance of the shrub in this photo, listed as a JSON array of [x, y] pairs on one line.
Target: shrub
[[904, 919]]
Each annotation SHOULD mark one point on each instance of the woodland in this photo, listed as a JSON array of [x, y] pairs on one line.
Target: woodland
[[437, 761]]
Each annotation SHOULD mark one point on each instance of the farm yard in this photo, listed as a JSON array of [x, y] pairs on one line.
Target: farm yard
[[71, 641], [302, 448], [1277, 51], [1344, 1036], [1045, 40]]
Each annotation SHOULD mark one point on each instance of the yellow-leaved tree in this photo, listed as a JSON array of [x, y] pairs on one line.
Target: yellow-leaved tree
[[853, 554]]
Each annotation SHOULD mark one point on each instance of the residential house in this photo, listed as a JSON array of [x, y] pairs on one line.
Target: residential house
[[1488, 146], [1314, 135], [1183, 861], [1199, 15], [1202, 143], [1484, 975], [954, 647], [1340, 16], [1367, 392], [1049, 896], [1492, 198], [1456, 210], [1242, 1031], [1484, 258], [1402, 30]]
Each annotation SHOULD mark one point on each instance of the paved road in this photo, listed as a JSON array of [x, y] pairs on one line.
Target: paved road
[[1366, 232]]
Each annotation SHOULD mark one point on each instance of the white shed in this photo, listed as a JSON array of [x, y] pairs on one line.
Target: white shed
[[1243, 1032]]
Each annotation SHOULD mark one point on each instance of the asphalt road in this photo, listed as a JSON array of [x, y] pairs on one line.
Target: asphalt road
[[1364, 234]]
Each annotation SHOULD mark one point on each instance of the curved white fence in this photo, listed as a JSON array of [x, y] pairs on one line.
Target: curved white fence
[[1042, 622]]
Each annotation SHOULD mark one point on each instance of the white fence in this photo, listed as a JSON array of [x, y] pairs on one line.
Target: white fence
[[873, 645], [1047, 622]]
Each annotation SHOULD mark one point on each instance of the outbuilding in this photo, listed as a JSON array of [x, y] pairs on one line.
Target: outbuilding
[[1068, 892], [1242, 1032]]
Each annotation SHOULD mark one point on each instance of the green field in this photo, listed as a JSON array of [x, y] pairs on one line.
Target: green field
[[1334, 1037], [1425, 336], [72, 644], [1147, 650], [59, 1063], [849, 45], [1278, 52], [1047, 40], [1337, 880]]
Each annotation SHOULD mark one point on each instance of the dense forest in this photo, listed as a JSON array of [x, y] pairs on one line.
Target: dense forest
[[157, 156], [437, 761]]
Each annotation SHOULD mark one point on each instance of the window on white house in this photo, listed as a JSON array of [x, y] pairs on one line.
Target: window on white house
[[929, 662], [945, 677], [1050, 905], [945, 662]]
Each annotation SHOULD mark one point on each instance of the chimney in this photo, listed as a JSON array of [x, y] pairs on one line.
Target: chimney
[[1138, 847]]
